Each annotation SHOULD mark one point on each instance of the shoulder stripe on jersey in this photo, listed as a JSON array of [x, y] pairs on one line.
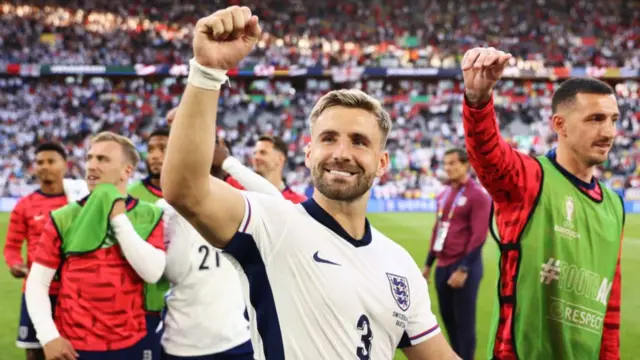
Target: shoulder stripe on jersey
[[424, 333], [244, 249], [243, 226]]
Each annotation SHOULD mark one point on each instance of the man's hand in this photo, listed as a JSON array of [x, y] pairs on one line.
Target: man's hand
[[19, 271], [118, 208], [457, 279], [171, 115], [426, 272], [481, 69], [59, 349], [220, 153], [224, 38]]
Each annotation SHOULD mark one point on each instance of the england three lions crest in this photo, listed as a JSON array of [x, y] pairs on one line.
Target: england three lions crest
[[400, 290]]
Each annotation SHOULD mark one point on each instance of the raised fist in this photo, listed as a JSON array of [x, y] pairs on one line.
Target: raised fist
[[481, 69], [224, 38]]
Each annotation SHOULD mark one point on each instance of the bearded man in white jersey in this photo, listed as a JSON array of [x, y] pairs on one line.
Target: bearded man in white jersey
[[321, 282]]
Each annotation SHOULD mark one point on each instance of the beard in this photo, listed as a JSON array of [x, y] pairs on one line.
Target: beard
[[152, 174], [340, 189]]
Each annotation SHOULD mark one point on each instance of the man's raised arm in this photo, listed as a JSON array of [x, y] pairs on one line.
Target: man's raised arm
[[507, 174], [214, 208]]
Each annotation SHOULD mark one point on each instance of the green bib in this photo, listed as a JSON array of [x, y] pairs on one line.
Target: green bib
[[568, 255], [154, 293], [85, 228], [139, 190]]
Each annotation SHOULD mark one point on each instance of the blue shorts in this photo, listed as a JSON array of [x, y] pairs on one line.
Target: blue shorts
[[26, 332], [241, 352], [150, 344], [135, 352]]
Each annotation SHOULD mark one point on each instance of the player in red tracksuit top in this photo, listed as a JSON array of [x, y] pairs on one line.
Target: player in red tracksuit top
[[513, 179], [26, 224]]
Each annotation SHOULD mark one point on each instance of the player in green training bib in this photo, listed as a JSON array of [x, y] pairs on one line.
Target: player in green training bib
[[105, 247], [559, 229], [149, 191]]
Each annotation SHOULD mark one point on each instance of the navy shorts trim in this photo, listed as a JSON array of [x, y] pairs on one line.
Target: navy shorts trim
[[27, 338], [135, 352], [243, 351]]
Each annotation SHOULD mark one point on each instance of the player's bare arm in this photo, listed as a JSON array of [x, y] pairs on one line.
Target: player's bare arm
[[435, 348], [215, 209], [501, 169]]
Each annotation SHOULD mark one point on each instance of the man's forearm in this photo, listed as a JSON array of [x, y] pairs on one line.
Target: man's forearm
[[145, 259], [187, 163], [247, 178], [39, 304]]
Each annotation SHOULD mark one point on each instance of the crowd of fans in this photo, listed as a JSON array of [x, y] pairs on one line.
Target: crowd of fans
[[396, 33], [426, 116], [332, 33]]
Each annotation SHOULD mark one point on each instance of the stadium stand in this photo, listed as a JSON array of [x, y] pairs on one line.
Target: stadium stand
[[124, 67]]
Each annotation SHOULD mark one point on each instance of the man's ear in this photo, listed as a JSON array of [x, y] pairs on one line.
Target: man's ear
[[558, 124], [307, 153]]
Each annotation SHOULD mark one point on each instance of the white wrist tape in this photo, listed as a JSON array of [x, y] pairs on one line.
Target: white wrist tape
[[204, 77]]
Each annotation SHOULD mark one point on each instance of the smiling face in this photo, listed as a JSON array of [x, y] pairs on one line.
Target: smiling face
[[587, 126], [346, 153], [267, 159]]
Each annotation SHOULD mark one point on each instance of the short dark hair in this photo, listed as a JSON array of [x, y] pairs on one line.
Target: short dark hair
[[51, 146], [162, 131], [462, 154], [570, 88], [277, 142]]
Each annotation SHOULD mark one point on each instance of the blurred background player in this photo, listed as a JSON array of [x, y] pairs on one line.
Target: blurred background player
[[553, 219], [269, 160], [298, 259], [460, 230], [26, 224], [148, 189], [100, 310]]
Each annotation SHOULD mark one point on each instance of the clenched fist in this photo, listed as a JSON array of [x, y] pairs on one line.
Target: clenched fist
[[481, 69], [224, 38]]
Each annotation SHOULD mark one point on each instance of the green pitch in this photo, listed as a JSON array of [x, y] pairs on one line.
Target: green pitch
[[411, 230]]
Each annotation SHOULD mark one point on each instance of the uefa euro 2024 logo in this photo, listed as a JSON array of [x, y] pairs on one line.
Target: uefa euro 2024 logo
[[569, 208]]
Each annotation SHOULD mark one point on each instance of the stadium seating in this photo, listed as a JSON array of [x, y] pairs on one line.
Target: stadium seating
[[306, 34]]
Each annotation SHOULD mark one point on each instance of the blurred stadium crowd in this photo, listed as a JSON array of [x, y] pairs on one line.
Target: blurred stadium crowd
[[426, 114], [309, 33]]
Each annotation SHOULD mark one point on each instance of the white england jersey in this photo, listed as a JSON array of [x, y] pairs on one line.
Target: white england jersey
[[317, 293], [205, 305]]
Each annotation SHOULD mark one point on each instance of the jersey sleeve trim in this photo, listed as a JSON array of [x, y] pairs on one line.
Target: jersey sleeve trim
[[425, 335], [246, 220]]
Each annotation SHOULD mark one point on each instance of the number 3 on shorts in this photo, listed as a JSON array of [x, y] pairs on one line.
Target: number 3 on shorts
[[364, 351]]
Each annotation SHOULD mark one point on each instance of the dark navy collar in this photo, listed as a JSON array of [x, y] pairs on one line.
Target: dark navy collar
[[579, 183], [152, 188], [323, 217], [39, 191]]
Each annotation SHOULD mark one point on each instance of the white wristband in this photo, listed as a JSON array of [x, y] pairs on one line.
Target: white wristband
[[204, 77]]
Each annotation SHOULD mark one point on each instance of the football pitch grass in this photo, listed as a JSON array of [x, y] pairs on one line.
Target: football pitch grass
[[412, 231]]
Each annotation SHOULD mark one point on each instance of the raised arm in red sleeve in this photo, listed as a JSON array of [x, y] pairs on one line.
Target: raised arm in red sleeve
[[508, 175], [16, 235], [610, 347]]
